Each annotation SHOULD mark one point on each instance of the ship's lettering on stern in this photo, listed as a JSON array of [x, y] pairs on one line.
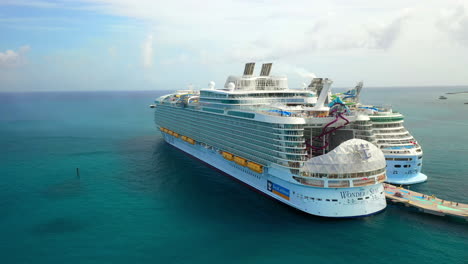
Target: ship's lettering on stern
[[278, 190], [348, 194]]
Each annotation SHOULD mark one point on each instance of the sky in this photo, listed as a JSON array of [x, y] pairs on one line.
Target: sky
[[88, 45]]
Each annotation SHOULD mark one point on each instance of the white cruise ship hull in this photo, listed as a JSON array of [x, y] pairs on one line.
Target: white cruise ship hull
[[404, 169], [326, 202]]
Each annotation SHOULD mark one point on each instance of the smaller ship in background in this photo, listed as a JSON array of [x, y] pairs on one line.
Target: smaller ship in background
[[384, 127], [442, 97]]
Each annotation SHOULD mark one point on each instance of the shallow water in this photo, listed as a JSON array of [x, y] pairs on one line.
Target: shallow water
[[139, 200]]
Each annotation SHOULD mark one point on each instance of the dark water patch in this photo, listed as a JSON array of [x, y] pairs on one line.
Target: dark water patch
[[90, 153], [9, 202], [58, 226], [66, 189], [150, 164], [454, 226]]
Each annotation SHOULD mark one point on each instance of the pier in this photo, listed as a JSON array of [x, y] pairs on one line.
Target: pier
[[425, 203]]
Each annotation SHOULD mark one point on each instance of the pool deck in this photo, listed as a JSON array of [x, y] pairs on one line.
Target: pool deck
[[425, 203]]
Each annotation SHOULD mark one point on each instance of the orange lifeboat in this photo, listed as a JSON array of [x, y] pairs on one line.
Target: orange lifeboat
[[255, 167], [227, 155], [240, 161]]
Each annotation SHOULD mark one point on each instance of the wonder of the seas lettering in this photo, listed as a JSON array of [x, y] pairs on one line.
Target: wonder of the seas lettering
[[348, 194]]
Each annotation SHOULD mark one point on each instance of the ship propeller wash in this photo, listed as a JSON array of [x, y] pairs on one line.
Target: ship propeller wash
[[297, 146]]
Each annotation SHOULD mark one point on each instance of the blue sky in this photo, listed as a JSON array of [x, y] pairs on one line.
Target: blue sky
[[146, 45]]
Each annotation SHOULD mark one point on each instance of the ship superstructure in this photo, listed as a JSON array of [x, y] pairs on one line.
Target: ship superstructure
[[289, 144], [384, 127]]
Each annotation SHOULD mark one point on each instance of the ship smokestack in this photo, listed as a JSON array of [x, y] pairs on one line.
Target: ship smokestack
[[266, 68], [249, 69]]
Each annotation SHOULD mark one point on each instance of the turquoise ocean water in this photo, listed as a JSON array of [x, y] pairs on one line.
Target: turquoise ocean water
[[139, 200]]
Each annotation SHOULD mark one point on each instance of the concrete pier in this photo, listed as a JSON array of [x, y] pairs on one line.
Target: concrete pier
[[425, 203]]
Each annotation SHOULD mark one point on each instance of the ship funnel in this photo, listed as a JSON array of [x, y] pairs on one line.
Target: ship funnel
[[323, 90], [316, 85], [266, 68], [249, 69]]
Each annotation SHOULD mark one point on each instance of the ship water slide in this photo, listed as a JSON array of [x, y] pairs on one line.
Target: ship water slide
[[325, 131]]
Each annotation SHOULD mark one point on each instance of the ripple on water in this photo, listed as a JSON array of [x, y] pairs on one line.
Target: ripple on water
[[58, 225], [69, 188]]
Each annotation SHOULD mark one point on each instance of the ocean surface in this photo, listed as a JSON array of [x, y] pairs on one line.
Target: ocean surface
[[139, 200]]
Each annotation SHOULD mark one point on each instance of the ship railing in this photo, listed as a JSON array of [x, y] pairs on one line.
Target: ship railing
[[402, 142], [402, 130], [341, 176], [401, 136], [341, 183], [379, 126], [302, 114]]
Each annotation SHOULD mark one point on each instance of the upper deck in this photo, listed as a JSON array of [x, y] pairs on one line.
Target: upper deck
[[263, 98]]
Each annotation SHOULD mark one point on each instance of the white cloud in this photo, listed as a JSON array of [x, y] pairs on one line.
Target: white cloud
[[344, 40], [12, 59], [454, 22], [322, 35], [384, 36], [147, 52]]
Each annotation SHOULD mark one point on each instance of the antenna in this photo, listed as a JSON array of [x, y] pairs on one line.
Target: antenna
[[266, 68], [249, 68]]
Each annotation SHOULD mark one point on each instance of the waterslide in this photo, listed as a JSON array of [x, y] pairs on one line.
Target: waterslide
[[325, 131]]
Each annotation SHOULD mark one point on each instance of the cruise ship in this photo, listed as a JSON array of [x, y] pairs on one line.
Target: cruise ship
[[385, 129], [291, 145]]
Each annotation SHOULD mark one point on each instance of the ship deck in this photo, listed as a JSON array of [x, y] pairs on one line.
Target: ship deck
[[425, 203]]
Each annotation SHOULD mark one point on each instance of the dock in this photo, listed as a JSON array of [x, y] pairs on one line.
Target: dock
[[425, 203]]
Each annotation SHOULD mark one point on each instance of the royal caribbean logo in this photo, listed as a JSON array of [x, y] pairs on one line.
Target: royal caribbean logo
[[278, 190], [364, 151]]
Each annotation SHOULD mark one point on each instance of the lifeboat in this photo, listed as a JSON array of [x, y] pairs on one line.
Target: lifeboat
[[227, 155], [191, 141], [240, 161], [175, 134], [255, 167]]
